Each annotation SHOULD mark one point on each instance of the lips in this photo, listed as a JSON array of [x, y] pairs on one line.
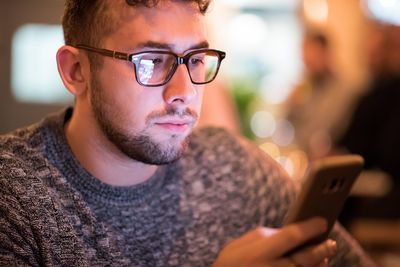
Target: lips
[[175, 125]]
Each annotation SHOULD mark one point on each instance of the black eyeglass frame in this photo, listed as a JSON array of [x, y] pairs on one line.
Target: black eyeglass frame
[[178, 61]]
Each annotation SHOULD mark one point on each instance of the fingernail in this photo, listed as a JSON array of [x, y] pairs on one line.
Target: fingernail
[[332, 247]]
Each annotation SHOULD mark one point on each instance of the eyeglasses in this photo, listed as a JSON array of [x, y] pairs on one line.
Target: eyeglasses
[[156, 68]]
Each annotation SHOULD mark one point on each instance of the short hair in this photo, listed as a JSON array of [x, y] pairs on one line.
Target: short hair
[[87, 21]]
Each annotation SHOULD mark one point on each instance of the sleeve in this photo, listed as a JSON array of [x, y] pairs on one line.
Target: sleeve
[[16, 240], [349, 253]]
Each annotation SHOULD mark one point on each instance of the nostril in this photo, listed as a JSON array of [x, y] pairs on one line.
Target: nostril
[[179, 93], [180, 88], [177, 100]]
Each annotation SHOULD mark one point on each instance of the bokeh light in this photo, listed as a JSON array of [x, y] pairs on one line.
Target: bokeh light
[[316, 11], [384, 10], [241, 38], [271, 149], [284, 133], [263, 124], [287, 164], [300, 162], [274, 89]]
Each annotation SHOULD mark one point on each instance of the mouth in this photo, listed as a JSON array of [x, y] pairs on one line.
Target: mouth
[[175, 126]]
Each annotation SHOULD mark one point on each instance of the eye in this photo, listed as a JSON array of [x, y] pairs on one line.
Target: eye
[[157, 60], [196, 60]]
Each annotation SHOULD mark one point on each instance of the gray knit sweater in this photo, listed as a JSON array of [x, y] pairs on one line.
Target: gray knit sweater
[[54, 213]]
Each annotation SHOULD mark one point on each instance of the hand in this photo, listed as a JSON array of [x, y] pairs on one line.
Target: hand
[[266, 247]]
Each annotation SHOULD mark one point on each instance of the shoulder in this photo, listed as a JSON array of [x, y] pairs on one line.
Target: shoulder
[[219, 146], [237, 176], [208, 137], [23, 164], [25, 174], [235, 166], [30, 217], [19, 157], [23, 151], [220, 143], [20, 152]]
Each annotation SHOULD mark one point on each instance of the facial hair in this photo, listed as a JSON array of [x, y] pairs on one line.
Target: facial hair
[[140, 147]]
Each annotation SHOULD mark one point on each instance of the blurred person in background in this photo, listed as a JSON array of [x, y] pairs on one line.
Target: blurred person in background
[[375, 129], [309, 100], [319, 104]]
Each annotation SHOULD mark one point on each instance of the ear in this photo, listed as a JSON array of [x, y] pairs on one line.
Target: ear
[[71, 65]]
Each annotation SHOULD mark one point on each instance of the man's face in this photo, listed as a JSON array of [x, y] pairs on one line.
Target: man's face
[[149, 124]]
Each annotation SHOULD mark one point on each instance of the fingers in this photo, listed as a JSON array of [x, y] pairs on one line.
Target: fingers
[[316, 255], [267, 247], [291, 236], [253, 236], [325, 263], [287, 262]]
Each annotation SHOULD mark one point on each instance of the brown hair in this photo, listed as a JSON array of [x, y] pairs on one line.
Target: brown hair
[[87, 21]]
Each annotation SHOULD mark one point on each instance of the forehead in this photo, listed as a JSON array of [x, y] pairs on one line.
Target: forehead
[[177, 24]]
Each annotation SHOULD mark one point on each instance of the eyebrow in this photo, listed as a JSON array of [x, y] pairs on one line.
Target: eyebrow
[[158, 45]]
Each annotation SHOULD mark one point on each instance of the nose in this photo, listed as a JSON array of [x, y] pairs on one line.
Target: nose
[[180, 89]]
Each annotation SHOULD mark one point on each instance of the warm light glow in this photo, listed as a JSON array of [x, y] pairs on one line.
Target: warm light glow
[[274, 89], [387, 3], [263, 124], [300, 163], [287, 164], [316, 11], [284, 133], [385, 10], [320, 143], [261, 3], [247, 32], [34, 76], [271, 149]]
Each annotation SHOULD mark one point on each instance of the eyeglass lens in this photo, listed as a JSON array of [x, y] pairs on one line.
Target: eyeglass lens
[[156, 68]]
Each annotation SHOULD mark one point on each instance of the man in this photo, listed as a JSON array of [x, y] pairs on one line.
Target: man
[[119, 181]]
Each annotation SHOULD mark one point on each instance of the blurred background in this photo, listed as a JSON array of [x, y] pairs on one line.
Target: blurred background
[[302, 79]]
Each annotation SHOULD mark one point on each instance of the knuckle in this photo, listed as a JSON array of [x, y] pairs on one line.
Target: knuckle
[[263, 232]]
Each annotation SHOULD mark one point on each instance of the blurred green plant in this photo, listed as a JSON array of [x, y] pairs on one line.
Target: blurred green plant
[[244, 92]]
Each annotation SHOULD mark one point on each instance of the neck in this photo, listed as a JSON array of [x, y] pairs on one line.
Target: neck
[[99, 156]]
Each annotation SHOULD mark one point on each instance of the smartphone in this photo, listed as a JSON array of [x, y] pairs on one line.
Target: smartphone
[[324, 191]]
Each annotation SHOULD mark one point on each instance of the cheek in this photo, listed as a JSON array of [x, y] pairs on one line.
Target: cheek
[[135, 105], [124, 99], [200, 99]]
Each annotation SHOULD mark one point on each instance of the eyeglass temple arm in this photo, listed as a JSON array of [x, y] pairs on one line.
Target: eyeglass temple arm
[[105, 52]]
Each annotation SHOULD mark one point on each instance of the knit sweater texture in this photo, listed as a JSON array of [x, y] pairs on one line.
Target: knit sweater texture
[[54, 213]]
